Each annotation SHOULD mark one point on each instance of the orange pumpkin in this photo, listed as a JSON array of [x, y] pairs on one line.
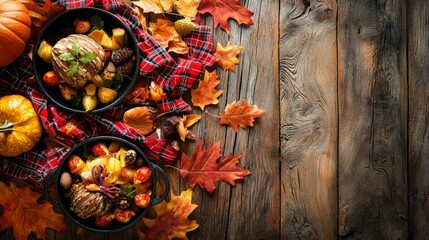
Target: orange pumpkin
[[20, 127], [15, 30]]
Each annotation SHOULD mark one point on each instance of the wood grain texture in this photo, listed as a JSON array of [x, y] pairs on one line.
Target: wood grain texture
[[372, 120], [227, 212], [254, 205], [418, 72], [208, 129], [308, 86], [342, 151]]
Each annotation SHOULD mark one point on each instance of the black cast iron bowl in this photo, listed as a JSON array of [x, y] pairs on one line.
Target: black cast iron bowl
[[53, 32], [115, 226]]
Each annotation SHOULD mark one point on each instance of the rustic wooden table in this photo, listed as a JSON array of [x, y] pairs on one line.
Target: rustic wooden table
[[342, 151]]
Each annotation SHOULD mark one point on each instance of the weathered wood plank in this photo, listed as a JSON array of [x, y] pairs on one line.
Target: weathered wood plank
[[213, 210], [254, 205], [418, 73], [372, 119], [249, 210], [308, 74]]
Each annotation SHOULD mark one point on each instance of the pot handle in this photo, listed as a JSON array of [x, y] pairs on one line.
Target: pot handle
[[157, 199], [45, 194]]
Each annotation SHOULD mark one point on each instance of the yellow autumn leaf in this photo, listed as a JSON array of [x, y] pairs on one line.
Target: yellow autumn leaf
[[149, 6], [206, 93], [178, 45], [165, 34], [226, 56], [188, 8], [141, 17], [167, 5], [191, 119], [162, 32], [185, 122], [171, 218]]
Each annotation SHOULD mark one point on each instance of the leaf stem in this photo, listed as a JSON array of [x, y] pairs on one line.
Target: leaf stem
[[179, 15], [212, 115], [161, 115], [173, 167]]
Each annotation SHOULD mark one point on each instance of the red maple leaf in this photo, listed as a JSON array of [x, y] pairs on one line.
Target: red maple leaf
[[240, 114], [204, 169], [25, 215], [172, 219], [222, 10]]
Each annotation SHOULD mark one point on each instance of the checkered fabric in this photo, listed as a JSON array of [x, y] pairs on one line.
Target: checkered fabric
[[175, 73]]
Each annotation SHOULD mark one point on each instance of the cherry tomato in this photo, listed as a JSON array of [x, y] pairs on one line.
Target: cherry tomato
[[142, 200], [123, 215], [75, 164], [142, 175], [104, 220]]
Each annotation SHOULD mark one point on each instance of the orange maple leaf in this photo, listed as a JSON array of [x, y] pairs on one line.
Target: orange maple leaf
[[165, 34], [222, 10], [40, 14], [172, 219], [206, 93], [240, 114], [187, 8], [226, 56], [25, 215], [140, 118], [203, 168]]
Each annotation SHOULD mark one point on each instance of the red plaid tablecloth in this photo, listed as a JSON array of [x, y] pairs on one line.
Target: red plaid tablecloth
[[175, 73]]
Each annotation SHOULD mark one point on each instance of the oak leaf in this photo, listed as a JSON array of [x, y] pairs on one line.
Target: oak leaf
[[140, 118], [206, 93], [165, 34], [25, 215], [204, 169], [188, 8], [184, 123], [226, 56], [222, 10], [172, 219], [40, 14], [240, 114]]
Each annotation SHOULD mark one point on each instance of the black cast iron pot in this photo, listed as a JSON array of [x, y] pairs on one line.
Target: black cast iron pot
[[115, 226], [54, 31]]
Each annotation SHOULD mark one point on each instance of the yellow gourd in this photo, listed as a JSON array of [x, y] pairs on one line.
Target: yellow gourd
[[20, 127]]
